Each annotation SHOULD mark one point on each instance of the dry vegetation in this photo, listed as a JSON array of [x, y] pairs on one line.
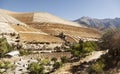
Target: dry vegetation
[[24, 17], [39, 37], [73, 33]]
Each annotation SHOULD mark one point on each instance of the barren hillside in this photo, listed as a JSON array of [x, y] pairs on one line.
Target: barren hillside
[[37, 23], [42, 17]]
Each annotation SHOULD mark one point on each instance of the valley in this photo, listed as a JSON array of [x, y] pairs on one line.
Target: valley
[[42, 43]]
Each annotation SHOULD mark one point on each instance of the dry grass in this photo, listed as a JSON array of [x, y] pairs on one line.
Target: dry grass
[[24, 17], [55, 29], [39, 37], [17, 28], [24, 28], [73, 33]]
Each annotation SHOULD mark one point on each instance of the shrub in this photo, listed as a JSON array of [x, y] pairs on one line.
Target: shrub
[[83, 48], [89, 46], [62, 36], [5, 65], [36, 68], [4, 47], [97, 67], [75, 53], [54, 59], [57, 65], [25, 52], [64, 59], [45, 61]]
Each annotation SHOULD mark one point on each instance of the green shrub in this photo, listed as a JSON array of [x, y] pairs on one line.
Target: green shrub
[[45, 61], [5, 65], [4, 47], [57, 65], [64, 59], [89, 46], [97, 67], [25, 52], [83, 48], [75, 53], [36, 68], [54, 59]]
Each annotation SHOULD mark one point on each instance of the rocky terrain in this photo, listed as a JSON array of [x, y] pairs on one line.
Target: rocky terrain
[[45, 23], [49, 44], [101, 24], [44, 27]]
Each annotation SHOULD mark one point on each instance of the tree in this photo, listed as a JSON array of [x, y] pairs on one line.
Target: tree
[[82, 48], [111, 41], [106, 40]]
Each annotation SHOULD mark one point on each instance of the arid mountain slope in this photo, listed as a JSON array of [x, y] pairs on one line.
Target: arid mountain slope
[[101, 24], [9, 24], [42, 17], [49, 25], [6, 21]]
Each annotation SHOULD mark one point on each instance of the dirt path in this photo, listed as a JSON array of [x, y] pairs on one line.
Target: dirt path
[[65, 69]]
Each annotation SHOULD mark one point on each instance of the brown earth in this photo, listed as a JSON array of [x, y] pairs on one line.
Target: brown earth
[[48, 29]]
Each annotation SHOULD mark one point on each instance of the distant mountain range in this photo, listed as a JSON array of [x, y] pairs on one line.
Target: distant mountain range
[[101, 24]]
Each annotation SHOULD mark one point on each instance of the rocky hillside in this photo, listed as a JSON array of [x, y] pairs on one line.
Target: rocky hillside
[[45, 25], [101, 24], [42, 17], [5, 21]]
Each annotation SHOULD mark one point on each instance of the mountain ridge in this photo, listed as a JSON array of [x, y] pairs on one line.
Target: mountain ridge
[[101, 24]]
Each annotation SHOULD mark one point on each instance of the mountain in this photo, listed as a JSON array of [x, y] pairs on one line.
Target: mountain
[[42, 17], [101, 24], [54, 25], [43, 27]]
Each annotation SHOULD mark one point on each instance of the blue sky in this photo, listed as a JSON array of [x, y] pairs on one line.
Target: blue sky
[[68, 9]]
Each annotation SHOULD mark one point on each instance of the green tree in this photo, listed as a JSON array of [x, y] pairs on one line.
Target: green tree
[[111, 60], [106, 40], [82, 48], [111, 41]]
